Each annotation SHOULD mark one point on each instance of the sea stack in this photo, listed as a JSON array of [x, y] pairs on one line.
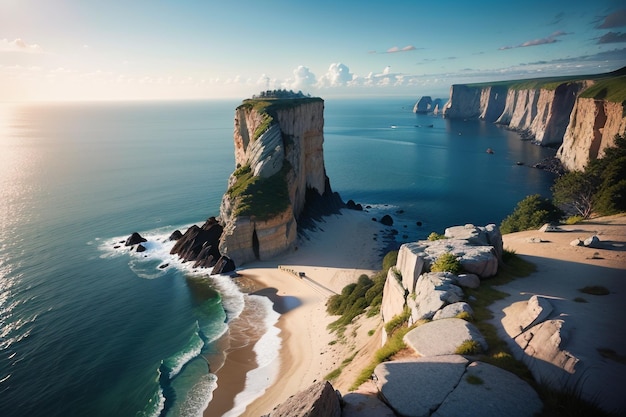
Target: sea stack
[[280, 170]]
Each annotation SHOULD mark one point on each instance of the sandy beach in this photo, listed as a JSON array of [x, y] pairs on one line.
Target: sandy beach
[[348, 245], [343, 248]]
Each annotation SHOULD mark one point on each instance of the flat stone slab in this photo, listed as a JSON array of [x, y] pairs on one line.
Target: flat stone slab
[[442, 337], [488, 391], [413, 388]]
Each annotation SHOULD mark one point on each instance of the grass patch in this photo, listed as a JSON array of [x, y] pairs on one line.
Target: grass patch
[[260, 197], [371, 332], [395, 344], [397, 321], [446, 262], [464, 315], [580, 300], [474, 380], [567, 403], [595, 290], [436, 236], [468, 347], [334, 374], [574, 220]]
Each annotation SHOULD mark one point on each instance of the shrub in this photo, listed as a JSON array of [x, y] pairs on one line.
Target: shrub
[[436, 236], [595, 290], [531, 213], [468, 347], [398, 321], [447, 262], [574, 220]]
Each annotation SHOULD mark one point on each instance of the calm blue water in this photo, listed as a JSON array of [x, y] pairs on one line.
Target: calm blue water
[[88, 331]]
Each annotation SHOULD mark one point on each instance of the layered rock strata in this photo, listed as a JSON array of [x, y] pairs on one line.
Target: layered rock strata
[[280, 171], [555, 114]]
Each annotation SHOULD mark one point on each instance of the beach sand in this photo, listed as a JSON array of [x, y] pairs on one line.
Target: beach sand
[[348, 245], [343, 248]]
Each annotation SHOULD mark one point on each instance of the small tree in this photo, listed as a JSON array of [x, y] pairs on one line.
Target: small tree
[[575, 190], [531, 213]]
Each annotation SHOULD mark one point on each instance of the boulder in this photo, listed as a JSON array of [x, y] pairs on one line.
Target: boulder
[[450, 385], [134, 239], [200, 244], [394, 299], [176, 234], [468, 281], [453, 310], [223, 265], [535, 310], [442, 337], [489, 391], [365, 403], [576, 242], [387, 220], [592, 242], [432, 292], [410, 263], [140, 248], [319, 400], [413, 388], [550, 228]]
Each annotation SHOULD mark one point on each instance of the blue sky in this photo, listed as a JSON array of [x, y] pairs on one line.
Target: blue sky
[[167, 49]]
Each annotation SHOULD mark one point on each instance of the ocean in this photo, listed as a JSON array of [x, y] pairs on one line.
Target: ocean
[[87, 329]]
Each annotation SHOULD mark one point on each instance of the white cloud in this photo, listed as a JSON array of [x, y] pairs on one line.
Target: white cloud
[[337, 75], [303, 79], [18, 45]]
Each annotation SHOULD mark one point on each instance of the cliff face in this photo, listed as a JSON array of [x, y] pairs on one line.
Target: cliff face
[[550, 116], [279, 152], [592, 128]]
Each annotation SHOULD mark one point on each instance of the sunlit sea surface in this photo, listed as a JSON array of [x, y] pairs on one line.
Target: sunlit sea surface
[[86, 330]]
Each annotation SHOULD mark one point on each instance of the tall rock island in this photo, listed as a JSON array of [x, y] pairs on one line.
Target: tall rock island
[[579, 115], [280, 178]]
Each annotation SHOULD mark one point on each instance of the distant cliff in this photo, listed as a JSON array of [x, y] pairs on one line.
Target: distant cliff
[[279, 175], [579, 115]]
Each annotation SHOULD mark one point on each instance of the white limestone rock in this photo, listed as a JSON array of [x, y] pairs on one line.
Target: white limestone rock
[[433, 291], [468, 281], [453, 310], [442, 337]]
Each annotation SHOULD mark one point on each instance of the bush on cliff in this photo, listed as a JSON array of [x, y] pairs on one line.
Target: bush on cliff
[[531, 213], [446, 262], [356, 298], [260, 197], [600, 188]]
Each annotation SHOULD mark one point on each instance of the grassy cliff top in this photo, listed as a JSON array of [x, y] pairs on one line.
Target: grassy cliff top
[[271, 104], [609, 86]]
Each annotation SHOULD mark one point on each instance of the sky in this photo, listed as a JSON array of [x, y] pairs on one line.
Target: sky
[[54, 50]]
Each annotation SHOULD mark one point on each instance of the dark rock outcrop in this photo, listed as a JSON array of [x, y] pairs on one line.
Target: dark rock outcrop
[[319, 400], [176, 234], [387, 220], [200, 244], [134, 239], [223, 265]]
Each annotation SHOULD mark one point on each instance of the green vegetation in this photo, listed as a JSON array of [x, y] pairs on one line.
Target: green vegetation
[[607, 86], [609, 89], [464, 315], [468, 347], [398, 321], [574, 219], [357, 298], [436, 236], [334, 374], [446, 262], [531, 213], [395, 344], [474, 380], [600, 188], [595, 290], [259, 197]]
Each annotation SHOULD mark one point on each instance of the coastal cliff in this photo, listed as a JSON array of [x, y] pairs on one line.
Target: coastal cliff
[[280, 173], [580, 115]]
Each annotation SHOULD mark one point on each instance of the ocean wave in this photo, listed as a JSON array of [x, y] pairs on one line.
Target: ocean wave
[[267, 350], [192, 349]]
